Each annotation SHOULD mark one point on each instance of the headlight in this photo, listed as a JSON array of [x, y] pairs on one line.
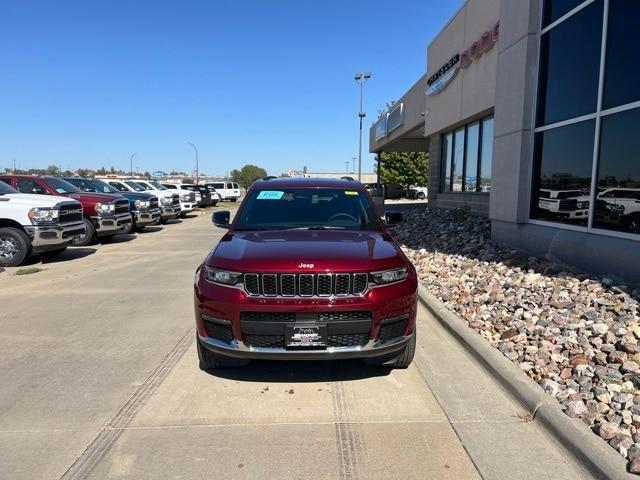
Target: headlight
[[185, 198], [167, 201], [389, 276], [142, 204], [43, 215], [105, 208], [221, 276]]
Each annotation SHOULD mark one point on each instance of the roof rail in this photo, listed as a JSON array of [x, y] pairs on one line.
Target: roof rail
[[351, 179], [270, 177]]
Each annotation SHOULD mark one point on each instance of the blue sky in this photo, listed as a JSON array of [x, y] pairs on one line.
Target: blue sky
[[86, 84]]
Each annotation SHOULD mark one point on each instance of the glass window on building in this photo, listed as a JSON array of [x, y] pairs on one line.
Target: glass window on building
[[466, 157], [447, 152], [618, 196], [555, 9], [458, 160], [569, 66], [622, 71], [486, 155], [471, 169], [562, 166], [572, 51]]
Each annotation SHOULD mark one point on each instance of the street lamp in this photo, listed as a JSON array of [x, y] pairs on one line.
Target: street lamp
[[197, 170], [131, 164], [361, 78]]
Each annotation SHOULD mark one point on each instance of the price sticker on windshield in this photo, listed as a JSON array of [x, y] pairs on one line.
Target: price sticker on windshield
[[351, 192], [270, 195]]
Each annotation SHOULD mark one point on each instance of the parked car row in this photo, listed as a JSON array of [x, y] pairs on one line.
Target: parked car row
[[45, 214]]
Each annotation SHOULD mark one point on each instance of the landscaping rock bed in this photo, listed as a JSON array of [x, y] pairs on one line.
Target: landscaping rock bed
[[575, 335]]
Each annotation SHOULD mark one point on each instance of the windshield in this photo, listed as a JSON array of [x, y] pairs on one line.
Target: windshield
[[4, 188], [136, 187], [103, 187], [307, 208], [157, 185], [61, 186]]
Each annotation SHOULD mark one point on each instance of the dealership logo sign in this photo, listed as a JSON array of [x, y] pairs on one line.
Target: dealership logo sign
[[445, 74]]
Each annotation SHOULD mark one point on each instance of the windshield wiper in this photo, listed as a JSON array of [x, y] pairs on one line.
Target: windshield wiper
[[319, 227]]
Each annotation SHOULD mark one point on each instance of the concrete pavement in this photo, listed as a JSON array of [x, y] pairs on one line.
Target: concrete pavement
[[99, 379]]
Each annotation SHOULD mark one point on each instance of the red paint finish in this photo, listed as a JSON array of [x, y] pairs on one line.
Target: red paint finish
[[306, 251], [88, 200]]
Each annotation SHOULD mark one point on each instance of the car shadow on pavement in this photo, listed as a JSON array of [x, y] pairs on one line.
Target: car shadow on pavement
[[173, 221], [190, 215], [302, 372], [150, 230], [69, 254], [122, 238]]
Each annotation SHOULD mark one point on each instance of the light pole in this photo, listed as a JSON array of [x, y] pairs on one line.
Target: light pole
[[131, 163], [197, 170], [361, 78], [347, 164], [353, 164]]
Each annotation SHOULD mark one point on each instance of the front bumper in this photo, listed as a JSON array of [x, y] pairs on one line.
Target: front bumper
[[149, 217], [111, 225], [186, 207], [170, 212], [382, 307], [373, 348], [45, 237]]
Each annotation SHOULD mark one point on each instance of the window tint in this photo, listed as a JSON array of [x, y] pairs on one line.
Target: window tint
[[471, 170], [229, 186], [486, 155], [562, 174], [569, 66], [307, 208], [458, 159], [235, 185], [447, 150], [622, 70], [60, 186], [218, 186], [118, 186], [6, 188], [554, 9], [26, 185], [619, 173]]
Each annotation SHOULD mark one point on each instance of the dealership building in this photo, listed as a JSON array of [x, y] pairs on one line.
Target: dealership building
[[530, 112]]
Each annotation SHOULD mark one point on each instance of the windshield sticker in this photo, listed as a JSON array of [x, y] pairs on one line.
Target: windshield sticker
[[270, 195], [350, 192], [60, 190]]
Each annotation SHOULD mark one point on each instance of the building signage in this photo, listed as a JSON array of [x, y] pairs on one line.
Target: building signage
[[443, 76], [439, 80], [381, 127], [395, 117], [159, 174]]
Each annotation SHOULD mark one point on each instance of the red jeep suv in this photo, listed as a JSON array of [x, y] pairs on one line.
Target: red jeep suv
[[306, 271]]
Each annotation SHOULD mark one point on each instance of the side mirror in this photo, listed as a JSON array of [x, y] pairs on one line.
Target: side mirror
[[221, 219], [392, 218]]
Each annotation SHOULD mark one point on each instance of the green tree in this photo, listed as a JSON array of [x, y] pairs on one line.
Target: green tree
[[147, 174], [404, 168], [82, 172], [247, 175], [187, 181]]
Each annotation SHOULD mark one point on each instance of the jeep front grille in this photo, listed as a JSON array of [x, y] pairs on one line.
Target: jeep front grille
[[305, 284]]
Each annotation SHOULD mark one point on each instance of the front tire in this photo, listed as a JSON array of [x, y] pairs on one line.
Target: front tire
[[209, 361], [15, 247], [234, 200], [89, 236], [421, 196]]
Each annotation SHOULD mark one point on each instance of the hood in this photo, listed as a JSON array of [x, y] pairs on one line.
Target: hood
[[136, 196], [95, 197], [31, 200], [161, 193], [318, 250]]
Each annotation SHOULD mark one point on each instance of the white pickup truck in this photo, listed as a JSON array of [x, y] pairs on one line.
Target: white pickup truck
[[187, 197], [169, 202], [36, 223]]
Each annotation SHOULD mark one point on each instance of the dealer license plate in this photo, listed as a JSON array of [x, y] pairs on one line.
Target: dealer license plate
[[306, 336]]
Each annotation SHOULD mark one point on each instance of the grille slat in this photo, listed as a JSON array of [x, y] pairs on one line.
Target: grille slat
[[270, 284], [70, 213], [323, 284], [287, 285], [252, 283], [306, 284], [121, 206]]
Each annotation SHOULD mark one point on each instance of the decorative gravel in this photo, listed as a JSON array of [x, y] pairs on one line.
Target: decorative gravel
[[574, 334]]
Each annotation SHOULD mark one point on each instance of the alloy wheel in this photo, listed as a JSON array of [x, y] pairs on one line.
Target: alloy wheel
[[8, 248]]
